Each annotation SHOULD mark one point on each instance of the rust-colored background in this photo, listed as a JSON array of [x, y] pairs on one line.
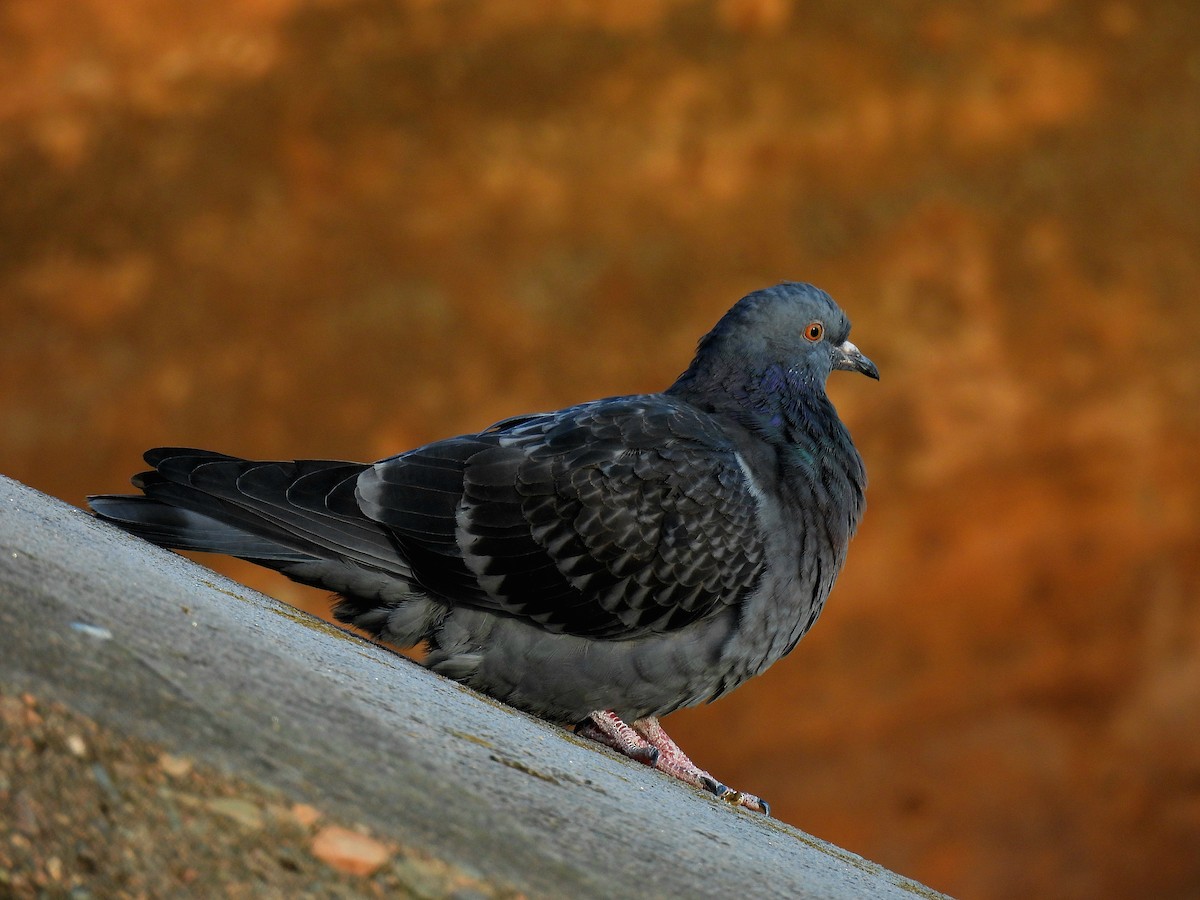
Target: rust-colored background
[[339, 229]]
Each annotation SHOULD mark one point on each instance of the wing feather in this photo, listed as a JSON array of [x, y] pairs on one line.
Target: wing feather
[[610, 519]]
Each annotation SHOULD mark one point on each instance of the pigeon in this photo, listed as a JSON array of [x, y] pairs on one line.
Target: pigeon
[[600, 566]]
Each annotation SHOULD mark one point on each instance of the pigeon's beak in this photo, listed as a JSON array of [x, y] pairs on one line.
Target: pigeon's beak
[[847, 356]]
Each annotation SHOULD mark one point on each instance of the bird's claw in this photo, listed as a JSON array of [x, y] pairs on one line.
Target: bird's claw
[[647, 755], [735, 798]]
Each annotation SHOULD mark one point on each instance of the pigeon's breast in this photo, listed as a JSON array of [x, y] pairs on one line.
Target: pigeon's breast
[[810, 501]]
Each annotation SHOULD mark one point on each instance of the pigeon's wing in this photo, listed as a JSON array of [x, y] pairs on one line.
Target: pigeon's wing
[[611, 519]]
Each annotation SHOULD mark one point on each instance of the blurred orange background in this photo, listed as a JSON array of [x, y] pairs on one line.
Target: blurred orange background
[[340, 229]]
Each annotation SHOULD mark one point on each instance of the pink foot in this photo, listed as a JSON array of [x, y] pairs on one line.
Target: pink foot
[[647, 742]]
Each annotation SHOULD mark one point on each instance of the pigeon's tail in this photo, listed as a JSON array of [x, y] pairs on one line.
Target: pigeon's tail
[[184, 529], [298, 517]]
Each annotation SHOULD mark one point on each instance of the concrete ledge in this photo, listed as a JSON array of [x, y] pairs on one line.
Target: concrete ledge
[[153, 646]]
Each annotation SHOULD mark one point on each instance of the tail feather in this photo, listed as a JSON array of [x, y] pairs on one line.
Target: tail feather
[[185, 529], [271, 491], [276, 513]]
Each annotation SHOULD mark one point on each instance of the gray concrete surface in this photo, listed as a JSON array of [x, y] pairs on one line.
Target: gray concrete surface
[[153, 645]]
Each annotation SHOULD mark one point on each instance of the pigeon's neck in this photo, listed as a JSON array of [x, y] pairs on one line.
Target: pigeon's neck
[[785, 407]]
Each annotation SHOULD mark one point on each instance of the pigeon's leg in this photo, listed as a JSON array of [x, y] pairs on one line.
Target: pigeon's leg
[[646, 742], [673, 761], [607, 728]]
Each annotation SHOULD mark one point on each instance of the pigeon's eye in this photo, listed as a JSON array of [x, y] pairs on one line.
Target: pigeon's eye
[[814, 331]]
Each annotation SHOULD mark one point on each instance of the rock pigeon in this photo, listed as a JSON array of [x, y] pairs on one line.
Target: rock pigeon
[[599, 566]]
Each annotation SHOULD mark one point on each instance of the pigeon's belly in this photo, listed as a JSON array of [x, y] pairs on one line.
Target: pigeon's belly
[[564, 677]]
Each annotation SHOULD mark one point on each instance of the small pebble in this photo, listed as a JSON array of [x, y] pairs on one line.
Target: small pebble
[[305, 814], [348, 851], [241, 811], [105, 781], [175, 766]]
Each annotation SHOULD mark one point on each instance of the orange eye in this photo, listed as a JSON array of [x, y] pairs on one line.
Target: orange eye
[[814, 331]]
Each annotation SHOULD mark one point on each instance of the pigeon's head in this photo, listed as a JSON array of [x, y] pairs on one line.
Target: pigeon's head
[[792, 327]]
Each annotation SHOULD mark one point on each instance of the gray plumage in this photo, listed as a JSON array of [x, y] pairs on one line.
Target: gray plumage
[[635, 554]]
